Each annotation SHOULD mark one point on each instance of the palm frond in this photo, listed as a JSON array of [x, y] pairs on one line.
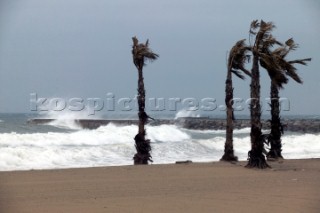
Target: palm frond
[[135, 41], [267, 61], [278, 51], [281, 51], [300, 61], [151, 56], [275, 71], [264, 39], [253, 27], [254, 24], [274, 60], [247, 72], [291, 44], [279, 78], [290, 71], [238, 74], [141, 53], [238, 57], [266, 26], [270, 41]]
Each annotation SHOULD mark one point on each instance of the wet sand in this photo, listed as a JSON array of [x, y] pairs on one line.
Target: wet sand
[[290, 186]]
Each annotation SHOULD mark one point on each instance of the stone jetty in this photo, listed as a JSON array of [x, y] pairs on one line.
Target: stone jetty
[[202, 123]]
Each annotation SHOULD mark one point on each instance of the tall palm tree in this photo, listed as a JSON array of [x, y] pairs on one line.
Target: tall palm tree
[[269, 61], [256, 157], [237, 58], [274, 138], [278, 68], [142, 53]]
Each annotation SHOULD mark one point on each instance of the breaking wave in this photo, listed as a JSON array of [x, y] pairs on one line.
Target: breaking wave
[[113, 145]]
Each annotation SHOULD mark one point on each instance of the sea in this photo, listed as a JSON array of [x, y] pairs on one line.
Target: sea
[[63, 144]]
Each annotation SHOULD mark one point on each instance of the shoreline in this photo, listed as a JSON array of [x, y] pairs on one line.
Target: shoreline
[[240, 162], [290, 186]]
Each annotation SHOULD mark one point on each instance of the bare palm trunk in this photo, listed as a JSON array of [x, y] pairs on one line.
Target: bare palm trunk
[[276, 126], [141, 101], [228, 147], [255, 155], [142, 145]]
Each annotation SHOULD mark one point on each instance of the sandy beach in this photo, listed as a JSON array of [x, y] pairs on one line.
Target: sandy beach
[[290, 186]]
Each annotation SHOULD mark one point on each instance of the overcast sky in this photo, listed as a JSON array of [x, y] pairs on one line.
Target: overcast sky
[[82, 48]]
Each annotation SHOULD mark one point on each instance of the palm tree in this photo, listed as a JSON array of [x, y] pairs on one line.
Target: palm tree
[[269, 61], [256, 157], [278, 68], [142, 53], [274, 138], [236, 61]]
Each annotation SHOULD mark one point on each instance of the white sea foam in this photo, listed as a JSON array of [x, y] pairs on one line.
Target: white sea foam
[[114, 145], [66, 120], [65, 124], [235, 131], [301, 146], [187, 113]]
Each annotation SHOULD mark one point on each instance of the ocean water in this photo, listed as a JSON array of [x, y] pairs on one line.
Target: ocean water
[[63, 144]]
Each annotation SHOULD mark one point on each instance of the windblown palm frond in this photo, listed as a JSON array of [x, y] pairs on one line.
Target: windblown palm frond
[[262, 26], [291, 44], [135, 41], [254, 26], [289, 69], [269, 42], [141, 52], [266, 26], [238, 57], [238, 74], [275, 71], [287, 66], [274, 61], [284, 50], [300, 61], [263, 36]]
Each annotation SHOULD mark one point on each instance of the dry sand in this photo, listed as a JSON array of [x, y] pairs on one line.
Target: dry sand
[[291, 186]]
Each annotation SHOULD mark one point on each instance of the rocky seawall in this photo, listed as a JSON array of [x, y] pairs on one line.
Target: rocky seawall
[[297, 125], [301, 125]]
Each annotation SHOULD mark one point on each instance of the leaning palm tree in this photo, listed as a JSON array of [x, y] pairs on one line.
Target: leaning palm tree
[[237, 58], [142, 53], [256, 157], [278, 68], [270, 61]]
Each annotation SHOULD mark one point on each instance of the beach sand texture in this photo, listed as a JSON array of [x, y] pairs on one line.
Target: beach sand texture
[[291, 186]]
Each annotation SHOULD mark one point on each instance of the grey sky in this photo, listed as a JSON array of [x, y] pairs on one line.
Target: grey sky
[[81, 48]]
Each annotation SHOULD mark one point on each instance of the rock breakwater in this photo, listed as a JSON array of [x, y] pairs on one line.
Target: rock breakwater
[[293, 125]]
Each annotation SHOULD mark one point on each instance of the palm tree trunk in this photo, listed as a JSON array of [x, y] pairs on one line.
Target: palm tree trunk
[[142, 145], [276, 126], [141, 102], [228, 147], [255, 155]]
